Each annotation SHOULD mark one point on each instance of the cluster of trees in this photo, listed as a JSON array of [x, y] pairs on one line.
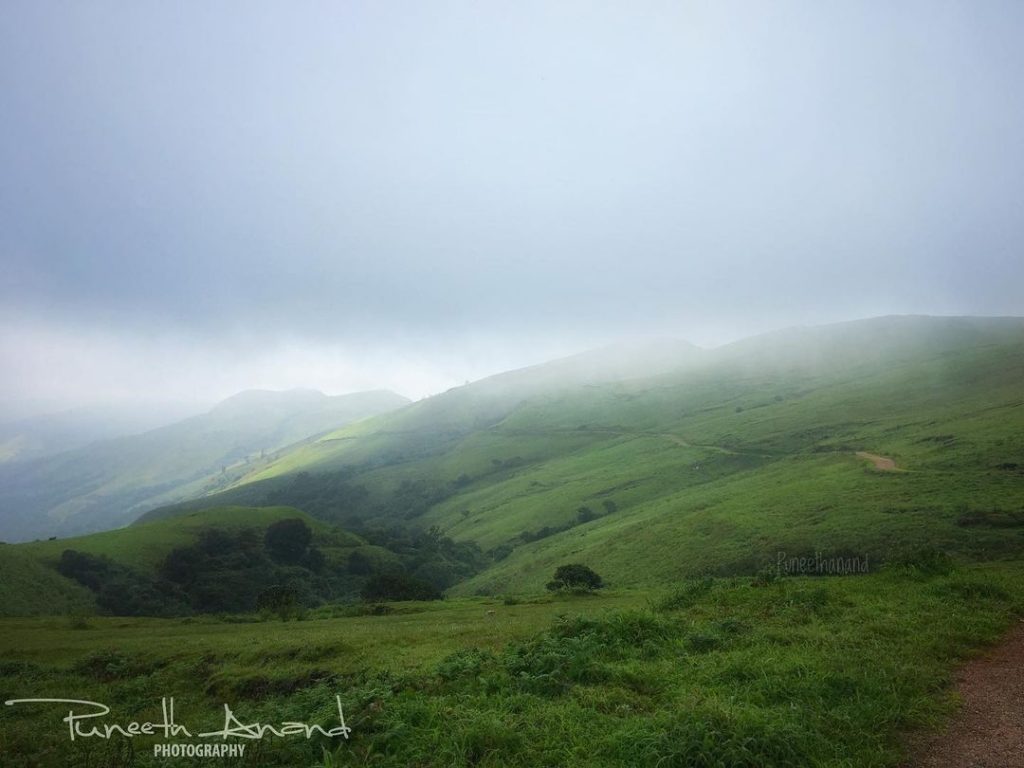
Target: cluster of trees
[[334, 497], [227, 570], [280, 571], [583, 515], [424, 563], [223, 571], [120, 590], [327, 496]]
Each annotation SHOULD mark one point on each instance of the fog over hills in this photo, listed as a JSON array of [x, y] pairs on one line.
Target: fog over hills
[[753, 440], [106, 484], [44, 434]]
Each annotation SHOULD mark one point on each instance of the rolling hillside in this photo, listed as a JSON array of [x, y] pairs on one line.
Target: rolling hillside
[[108, 484], [716, 462], [219, 560], [32, 585]]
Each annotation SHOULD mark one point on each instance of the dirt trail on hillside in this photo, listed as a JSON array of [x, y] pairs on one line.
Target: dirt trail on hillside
[[988, 731], [883, 463]]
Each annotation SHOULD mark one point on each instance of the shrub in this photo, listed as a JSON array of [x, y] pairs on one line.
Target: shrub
[[575, 577], [398, 586]]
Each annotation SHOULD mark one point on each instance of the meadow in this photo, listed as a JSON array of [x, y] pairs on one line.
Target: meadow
[[797, 671]]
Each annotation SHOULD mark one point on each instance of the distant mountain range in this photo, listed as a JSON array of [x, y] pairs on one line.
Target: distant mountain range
[[108, 483]]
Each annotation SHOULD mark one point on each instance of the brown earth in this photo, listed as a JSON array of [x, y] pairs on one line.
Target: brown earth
[[988, 730]]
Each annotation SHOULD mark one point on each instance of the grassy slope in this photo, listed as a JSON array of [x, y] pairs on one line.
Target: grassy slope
[[796, 486], [748, 451], [29, 587]]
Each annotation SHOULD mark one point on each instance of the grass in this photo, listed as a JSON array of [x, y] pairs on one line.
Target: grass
[[748, 451], [803, 671]]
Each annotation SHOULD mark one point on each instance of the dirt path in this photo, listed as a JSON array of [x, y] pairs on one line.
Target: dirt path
[[883, 463], [988, 731]]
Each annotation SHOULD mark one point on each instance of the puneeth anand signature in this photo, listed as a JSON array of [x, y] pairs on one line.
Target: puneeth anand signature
[[85, 720]]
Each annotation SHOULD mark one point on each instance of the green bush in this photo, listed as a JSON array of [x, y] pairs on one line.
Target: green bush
[[575, 577]]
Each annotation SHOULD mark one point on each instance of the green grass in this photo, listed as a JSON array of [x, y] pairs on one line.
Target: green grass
[[803, 671], [29, 587], [747, 450]]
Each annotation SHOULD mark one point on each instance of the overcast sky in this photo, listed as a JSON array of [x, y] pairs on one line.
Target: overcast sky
[[197, 198]]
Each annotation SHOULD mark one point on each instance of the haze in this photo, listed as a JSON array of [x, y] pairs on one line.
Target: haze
[[198, 198]]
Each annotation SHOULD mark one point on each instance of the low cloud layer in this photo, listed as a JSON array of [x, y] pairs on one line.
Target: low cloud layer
[[196, 200]]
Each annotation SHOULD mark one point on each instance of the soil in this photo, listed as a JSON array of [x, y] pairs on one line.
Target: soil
[[988, 730]]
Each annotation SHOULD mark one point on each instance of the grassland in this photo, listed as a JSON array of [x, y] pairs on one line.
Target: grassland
[[799, 671]]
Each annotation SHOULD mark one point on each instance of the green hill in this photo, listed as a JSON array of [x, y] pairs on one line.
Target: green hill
[[108, 484], [220, 560], [32, 585], [717, 462], [143, 546]]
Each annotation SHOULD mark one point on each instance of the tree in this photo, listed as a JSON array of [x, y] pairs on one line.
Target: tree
[[575, 577], [287, 540]]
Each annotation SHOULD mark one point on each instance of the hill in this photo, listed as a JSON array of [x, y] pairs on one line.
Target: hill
[[109, 483], [32, 584], [717, 462], [221, 560]]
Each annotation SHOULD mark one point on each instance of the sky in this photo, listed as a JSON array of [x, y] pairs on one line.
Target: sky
[[198, 198]]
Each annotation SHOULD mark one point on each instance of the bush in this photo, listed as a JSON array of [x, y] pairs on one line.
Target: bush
[[575, 576], [398, 586]]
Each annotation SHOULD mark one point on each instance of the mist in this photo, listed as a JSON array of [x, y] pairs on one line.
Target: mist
[[408, 196]]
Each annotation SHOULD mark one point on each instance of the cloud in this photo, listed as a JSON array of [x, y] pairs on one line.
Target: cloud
[[367, 182]]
